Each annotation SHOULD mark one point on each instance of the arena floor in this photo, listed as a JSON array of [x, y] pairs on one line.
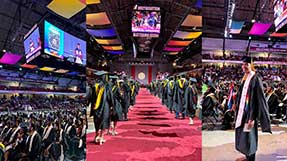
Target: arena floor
[[220, 145]]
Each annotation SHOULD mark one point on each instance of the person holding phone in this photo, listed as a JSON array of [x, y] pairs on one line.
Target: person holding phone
[[250, 107]]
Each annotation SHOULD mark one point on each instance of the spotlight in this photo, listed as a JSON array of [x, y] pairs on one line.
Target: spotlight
[[249, 37], [253, 20], [269, 38]]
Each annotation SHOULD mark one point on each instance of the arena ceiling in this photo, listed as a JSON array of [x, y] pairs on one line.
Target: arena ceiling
[[215, 16], [17, 17], [173, 14]]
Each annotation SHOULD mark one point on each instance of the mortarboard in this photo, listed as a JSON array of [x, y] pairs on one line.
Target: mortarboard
[[246, 59], [99, 73], [192, 80]]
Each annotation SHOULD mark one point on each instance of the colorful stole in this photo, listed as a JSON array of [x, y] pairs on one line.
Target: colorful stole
[[171, 84], [99, 91], [114, 87], [133, 89], [164, 83], [2, 146], [244, 100], [181, 83], [230, 100]]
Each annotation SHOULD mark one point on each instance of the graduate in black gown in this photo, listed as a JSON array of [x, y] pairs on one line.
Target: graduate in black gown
[[170, 91], [102, 101], [48, 136], [127, 98], [33, 143], [273, 101], [116, 111], [210, 102], [190, 99], [164, 92], [134, 91], [180, 87], [250, 107]]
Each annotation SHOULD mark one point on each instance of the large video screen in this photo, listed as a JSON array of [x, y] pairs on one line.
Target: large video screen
[[74, 49], [32, 44], [146, 21], [63, 45], [280, 13], [53, 40]]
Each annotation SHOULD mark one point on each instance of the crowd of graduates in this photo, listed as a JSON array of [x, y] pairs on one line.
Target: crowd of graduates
[[42, 135], [38, 102], [222, 84], [110, 98], [178, 93]]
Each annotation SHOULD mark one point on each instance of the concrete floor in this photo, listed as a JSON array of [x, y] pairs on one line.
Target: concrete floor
[[219, 145]]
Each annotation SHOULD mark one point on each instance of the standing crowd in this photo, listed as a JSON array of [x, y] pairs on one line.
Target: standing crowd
[[110, 97], [178, 93]]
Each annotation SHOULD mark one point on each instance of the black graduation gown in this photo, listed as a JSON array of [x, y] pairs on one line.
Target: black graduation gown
[[170, 89], [133, 94], [18, 151], [209, 105], [179, 97], [164, 92], [71, 138], [101, 114], [50, 139], [273, 103], [246, 142], [127, 97], [117, 108], [190, 101], [36, 147], [55, 149]]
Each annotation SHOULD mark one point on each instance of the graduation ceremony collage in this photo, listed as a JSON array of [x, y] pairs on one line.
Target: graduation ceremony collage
[[143, 80]]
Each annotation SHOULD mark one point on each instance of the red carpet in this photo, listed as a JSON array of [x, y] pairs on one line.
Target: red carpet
[[151, 134]]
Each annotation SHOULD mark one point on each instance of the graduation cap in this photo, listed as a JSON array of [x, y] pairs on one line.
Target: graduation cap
[[113, 77], [192, 80], [212, 86], [99, 73], [120, 80], [24, 125], [247, 59], [49, 118]]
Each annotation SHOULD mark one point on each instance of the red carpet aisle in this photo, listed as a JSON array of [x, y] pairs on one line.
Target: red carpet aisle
[[151, 134]]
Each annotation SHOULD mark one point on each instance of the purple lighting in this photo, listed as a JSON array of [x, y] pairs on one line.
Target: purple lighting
[[10, 58], [172, 49], [110, 32], [116, 52], [259, 28]]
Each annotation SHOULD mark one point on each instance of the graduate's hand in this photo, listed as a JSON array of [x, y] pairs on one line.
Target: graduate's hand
[[250, 124]]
